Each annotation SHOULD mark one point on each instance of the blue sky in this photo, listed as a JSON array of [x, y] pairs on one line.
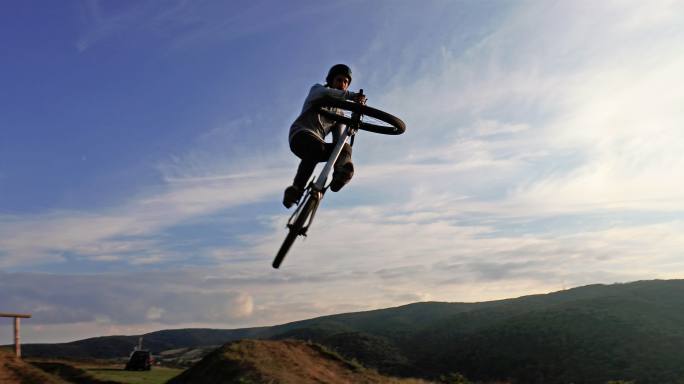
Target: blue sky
[[144, 153]]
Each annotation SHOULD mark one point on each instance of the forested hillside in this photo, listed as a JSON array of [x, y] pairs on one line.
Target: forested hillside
[[590, 334]]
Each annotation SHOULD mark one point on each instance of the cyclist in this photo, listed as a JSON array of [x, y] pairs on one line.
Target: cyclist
[[308, 132]]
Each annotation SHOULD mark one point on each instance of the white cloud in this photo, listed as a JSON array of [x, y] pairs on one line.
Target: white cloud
[[173, 297], [181, 23], [154, 313], [195, 186], [243, 305], [106, 258], [583, 116]]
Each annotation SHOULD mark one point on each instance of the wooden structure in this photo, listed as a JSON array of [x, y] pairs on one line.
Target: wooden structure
[[17, 324]]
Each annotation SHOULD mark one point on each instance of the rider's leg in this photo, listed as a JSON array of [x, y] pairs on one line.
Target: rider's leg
[[311, 150], [344, 169]]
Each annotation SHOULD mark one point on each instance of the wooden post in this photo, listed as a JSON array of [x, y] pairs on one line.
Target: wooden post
[[17, 338], [17, 329]]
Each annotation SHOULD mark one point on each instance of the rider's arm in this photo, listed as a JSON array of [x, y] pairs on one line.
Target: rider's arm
[[318, 91]]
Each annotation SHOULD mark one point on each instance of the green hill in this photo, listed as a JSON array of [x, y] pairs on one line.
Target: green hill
[[590, 334]]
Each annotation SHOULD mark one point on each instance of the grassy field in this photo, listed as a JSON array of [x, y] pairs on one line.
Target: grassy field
[[104, 372], [157, 375]]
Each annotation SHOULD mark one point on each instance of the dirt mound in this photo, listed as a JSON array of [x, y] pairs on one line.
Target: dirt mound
[[16, 371], [282, 362]]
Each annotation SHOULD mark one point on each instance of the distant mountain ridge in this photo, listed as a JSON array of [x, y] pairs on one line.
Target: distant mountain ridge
[[591, 334]]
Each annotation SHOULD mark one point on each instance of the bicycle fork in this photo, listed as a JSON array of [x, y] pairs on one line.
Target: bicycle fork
[[314, 196]]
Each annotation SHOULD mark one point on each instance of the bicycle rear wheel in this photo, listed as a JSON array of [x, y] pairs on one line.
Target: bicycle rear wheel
[[295, 229], [374, 119]]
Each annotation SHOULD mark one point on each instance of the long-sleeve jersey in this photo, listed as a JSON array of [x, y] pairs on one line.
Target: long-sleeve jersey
[[313, 122]]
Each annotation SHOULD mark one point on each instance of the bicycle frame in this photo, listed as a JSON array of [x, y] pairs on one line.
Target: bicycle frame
[[317, 188], [319, 185]]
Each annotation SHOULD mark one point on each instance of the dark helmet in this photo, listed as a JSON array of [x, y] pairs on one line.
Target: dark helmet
[[338, 69]]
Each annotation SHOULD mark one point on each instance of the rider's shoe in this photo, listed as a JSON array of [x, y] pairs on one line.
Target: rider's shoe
[[292, 195], [342, 176]]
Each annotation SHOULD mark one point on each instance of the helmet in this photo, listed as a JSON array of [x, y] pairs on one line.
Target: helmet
[[338, 69]]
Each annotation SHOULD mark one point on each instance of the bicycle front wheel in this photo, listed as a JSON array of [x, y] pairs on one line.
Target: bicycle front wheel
[[295, 229], [374, 120]]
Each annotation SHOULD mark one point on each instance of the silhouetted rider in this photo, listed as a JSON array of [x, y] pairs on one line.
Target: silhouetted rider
[[308, 132]]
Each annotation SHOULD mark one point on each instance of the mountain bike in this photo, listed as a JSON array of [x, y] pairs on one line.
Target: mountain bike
[[354, 116]]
